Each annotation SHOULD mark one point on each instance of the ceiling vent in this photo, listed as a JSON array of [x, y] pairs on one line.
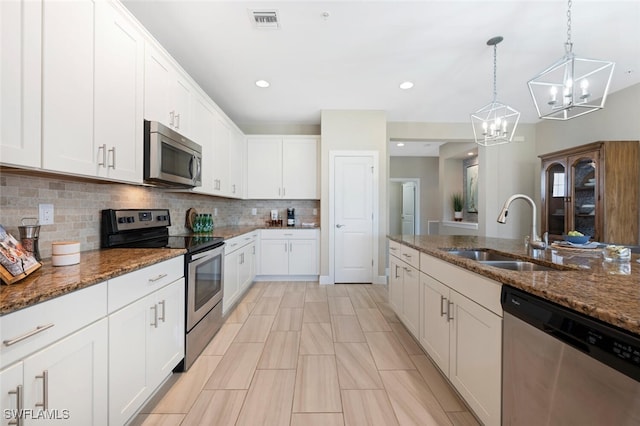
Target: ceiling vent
[[265, 19]]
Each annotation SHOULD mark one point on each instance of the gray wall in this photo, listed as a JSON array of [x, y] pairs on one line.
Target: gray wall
[[425, 169]]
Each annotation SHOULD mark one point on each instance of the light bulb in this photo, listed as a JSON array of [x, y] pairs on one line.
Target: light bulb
[[584, 86], [554, 95]]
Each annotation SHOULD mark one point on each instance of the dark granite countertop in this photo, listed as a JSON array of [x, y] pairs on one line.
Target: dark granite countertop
[[233, 231], [95, 266], [607, 291]]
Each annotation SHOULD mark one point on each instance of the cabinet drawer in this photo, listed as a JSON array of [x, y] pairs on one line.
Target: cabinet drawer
[[134, 285], [410, 256], [395, 249], [235, 243], [46, 322], [289, 234]]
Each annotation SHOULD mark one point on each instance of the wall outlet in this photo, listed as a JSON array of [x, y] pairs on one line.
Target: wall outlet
[[215, 211], [315, 212], [45, 214], [254, 211]]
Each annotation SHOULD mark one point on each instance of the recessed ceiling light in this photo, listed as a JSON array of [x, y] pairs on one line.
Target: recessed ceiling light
[[469, 153], [262, 83], [406, 85], [400, 144]]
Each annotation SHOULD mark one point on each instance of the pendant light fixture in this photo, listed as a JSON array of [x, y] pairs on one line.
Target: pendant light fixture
[[494, 123], [572, 86]]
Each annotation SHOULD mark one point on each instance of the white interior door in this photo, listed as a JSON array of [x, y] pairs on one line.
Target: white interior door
[[353, 213], [408, 208]]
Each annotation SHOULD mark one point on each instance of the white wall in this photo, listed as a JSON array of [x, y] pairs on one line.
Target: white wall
[[353, 130]]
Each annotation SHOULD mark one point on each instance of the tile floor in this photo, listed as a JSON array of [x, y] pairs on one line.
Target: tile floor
[[295, 353]]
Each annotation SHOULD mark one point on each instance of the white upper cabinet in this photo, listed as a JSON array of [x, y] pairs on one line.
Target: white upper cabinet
[[237, 155], [202, 133], [300, 168], [282, 167], [264, 167], [119, 74], [221, 144], [67, 87], [92, 99], [167, 94], [20, 82]]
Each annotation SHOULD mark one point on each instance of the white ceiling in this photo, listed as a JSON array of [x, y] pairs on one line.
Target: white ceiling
[[357, 56]]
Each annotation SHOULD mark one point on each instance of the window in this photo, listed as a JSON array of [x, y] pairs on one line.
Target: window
[[558, 185]]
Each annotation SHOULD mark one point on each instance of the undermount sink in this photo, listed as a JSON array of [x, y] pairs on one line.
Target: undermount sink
[[481, 255], [517, 265], [503, 261]]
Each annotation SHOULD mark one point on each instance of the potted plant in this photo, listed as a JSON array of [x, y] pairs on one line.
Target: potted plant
[[458, 204]]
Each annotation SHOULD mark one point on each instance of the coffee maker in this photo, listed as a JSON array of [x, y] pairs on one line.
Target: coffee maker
[[291, 217]]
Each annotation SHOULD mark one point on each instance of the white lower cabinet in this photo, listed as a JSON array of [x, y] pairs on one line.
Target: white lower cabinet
[[94, 356], [64, 382], [55, 364], [463, 338], [146, 341], [404, 286], [289, 252], [457, 317], [239, 267]]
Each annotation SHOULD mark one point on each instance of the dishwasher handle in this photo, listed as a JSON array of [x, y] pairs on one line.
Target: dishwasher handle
[[569, 340]]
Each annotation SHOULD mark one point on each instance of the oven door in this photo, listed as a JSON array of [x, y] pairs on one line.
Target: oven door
[[204, 284]]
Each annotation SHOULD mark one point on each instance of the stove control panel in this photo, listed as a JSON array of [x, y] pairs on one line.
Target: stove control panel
[[134, 219]]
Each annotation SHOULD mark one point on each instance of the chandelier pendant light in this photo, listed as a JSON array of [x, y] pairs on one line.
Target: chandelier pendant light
[[494, 123], [571, 86]]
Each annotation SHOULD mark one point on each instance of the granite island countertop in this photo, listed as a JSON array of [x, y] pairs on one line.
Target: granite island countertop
[[95, 266], [606, 291]]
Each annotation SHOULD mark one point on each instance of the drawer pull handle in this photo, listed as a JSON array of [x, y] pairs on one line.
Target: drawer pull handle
[[19, 399], [45, 390], [162, 316], [158, 278], [154, 324], [36, 330]]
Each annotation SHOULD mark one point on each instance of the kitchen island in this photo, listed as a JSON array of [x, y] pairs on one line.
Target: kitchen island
[[451, 302], [609, 292]]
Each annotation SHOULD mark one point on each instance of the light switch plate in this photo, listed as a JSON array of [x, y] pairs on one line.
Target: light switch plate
[[254, 211], [45, 214]]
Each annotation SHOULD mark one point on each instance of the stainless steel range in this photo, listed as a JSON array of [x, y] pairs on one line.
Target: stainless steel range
[[203, 269]]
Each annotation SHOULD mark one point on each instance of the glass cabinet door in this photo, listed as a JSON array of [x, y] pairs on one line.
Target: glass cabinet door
[[584, 194], [556, 196]]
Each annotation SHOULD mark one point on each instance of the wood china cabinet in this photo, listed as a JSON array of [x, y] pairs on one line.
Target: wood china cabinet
[[593, 189]]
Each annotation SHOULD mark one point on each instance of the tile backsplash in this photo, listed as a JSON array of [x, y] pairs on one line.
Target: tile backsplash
[[77, 205]]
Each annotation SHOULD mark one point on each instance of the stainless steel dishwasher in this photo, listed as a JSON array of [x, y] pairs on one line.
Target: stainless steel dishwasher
[[563, 368]]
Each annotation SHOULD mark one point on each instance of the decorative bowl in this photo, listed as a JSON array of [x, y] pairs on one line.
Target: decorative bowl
[[577, 239]]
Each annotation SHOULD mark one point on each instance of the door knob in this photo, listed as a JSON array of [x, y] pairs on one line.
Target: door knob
[[339, 225]]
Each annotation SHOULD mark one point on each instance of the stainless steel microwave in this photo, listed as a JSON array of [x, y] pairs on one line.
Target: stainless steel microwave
[[170, 159]]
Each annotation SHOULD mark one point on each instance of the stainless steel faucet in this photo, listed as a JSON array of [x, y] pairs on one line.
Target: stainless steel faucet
[[534, 239]]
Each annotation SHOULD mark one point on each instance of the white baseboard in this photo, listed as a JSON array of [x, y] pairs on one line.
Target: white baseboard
[[310, 278], [326, 279]]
